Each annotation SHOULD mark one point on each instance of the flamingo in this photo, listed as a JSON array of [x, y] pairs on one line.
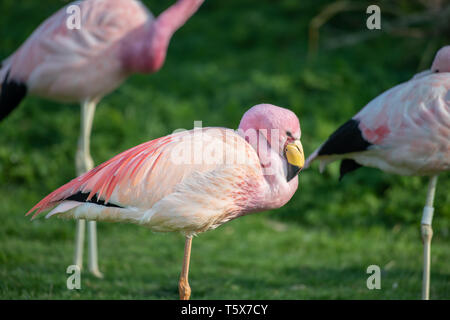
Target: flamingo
[[406, 131], [191, 181], [116, 39]]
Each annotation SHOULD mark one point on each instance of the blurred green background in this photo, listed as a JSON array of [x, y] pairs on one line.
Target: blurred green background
[[230, 56]]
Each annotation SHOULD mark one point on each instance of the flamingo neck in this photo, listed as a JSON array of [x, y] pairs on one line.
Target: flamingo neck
[[149, 54], [276, 190]]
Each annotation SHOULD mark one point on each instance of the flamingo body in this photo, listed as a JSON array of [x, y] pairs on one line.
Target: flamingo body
[[116, 38], [405, 130], [186, 201], [191, 181], [164, 184]]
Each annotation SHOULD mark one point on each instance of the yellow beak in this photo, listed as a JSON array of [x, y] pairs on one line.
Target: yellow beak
[[294, 154]]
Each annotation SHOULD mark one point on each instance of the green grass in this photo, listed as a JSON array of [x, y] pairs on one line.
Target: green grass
[[230, 56]]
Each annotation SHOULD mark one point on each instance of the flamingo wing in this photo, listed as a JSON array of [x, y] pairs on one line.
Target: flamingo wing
[[405, 130], [166, 183]]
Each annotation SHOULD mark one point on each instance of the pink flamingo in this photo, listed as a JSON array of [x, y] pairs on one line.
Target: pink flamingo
[[192, 181], [405, 130], [116, 39]]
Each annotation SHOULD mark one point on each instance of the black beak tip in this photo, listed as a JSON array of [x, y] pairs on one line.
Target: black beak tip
[[292, 171]]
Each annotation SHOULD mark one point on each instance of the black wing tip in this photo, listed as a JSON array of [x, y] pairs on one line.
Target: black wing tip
[[347, 165], [347, 138], [83, 197], [11, 95]]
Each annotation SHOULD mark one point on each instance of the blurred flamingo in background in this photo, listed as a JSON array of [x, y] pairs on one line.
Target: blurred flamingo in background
[[405, 130], [116, 39], [192, 181]]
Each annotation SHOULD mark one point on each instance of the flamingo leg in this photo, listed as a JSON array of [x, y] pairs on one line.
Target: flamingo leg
[[183, 285], [93, 253], [84, 163], [79, 241], [427, 234], [83, 159]]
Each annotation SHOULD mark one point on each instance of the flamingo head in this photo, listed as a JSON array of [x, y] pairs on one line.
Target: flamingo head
[[279, 129], [441, 61]]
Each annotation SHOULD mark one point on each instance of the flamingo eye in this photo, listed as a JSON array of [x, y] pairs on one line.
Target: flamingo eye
[[437, 70], [289, 134]]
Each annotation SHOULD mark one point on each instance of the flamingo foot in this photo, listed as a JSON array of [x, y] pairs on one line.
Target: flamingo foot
[[96, 273], [184, 289]]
